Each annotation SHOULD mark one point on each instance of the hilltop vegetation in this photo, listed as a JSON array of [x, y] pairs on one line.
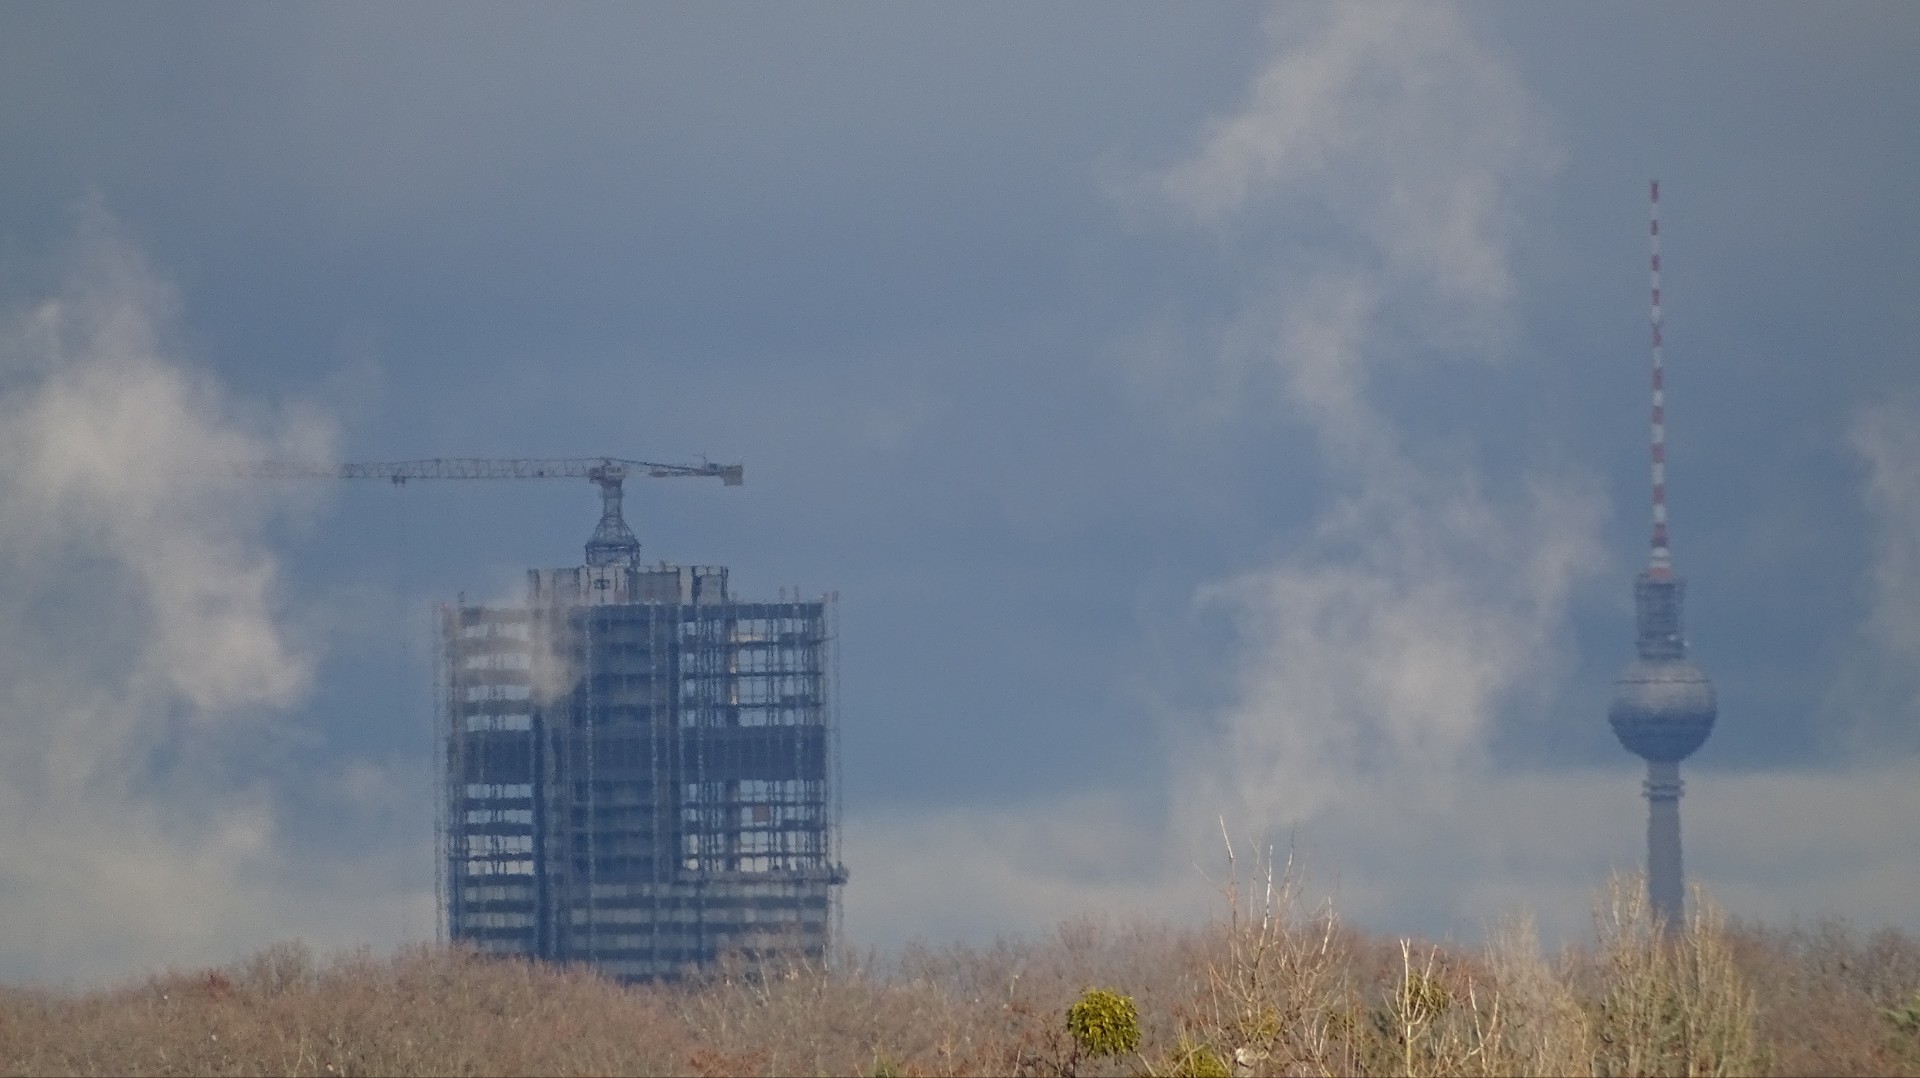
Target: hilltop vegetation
[[1268, 989]]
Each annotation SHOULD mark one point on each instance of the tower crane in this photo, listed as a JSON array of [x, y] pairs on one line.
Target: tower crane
[[613, 543]]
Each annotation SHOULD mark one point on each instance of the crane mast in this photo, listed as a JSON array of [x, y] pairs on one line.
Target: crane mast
[[612, 543]]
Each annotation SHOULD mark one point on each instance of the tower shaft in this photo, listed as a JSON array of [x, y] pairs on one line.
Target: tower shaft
[[1666, 880]]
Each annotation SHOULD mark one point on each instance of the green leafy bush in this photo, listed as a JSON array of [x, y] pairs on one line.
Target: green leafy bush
[[1192, 1059], [1104, 1023], [1906, 1019]]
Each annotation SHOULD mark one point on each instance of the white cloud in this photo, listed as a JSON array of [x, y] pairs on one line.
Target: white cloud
[[1389, 649], [1888, 438], [144, 645], [1393, 123], [1871, 712], [1386, 151]]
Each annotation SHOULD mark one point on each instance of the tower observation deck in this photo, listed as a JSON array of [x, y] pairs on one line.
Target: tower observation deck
[[1663, 705]]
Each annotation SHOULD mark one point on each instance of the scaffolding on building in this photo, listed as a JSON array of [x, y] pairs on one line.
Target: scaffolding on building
[[640, 773]]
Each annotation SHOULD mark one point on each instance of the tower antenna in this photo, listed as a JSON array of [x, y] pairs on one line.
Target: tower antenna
[[1660, 561]]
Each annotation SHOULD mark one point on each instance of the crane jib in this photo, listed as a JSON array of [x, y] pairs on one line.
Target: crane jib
[[613, 542], [598, 469]]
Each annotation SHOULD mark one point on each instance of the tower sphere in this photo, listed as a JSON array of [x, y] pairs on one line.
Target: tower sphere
[[1663, 709]]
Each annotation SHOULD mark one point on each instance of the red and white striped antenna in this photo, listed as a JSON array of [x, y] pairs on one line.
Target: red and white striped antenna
[[1660, 564]]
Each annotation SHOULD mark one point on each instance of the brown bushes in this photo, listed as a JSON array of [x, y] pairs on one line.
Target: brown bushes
[[1271, 989]]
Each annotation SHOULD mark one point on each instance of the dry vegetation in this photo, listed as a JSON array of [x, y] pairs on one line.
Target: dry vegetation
[[1270, 989]]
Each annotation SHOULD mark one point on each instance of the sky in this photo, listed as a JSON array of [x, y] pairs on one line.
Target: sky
[[1226, 418]]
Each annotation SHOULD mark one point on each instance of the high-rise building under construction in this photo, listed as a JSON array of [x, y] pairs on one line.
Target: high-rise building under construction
[[640, 768]]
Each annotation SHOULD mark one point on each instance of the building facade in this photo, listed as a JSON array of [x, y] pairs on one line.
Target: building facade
[[640, 772]]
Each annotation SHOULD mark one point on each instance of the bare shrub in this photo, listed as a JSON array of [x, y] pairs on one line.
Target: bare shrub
[[423, 1011], [1670, 1003], [1825, 993], [1272, 981], [1536, 1025], [1270, 988]]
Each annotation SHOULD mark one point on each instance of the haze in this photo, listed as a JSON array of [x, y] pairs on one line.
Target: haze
[[1204, 414]]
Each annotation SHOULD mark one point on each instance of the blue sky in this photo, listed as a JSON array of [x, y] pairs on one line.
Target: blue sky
[[1228, 412]]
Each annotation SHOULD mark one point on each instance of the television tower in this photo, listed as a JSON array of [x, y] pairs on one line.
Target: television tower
[[1663, 705]]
